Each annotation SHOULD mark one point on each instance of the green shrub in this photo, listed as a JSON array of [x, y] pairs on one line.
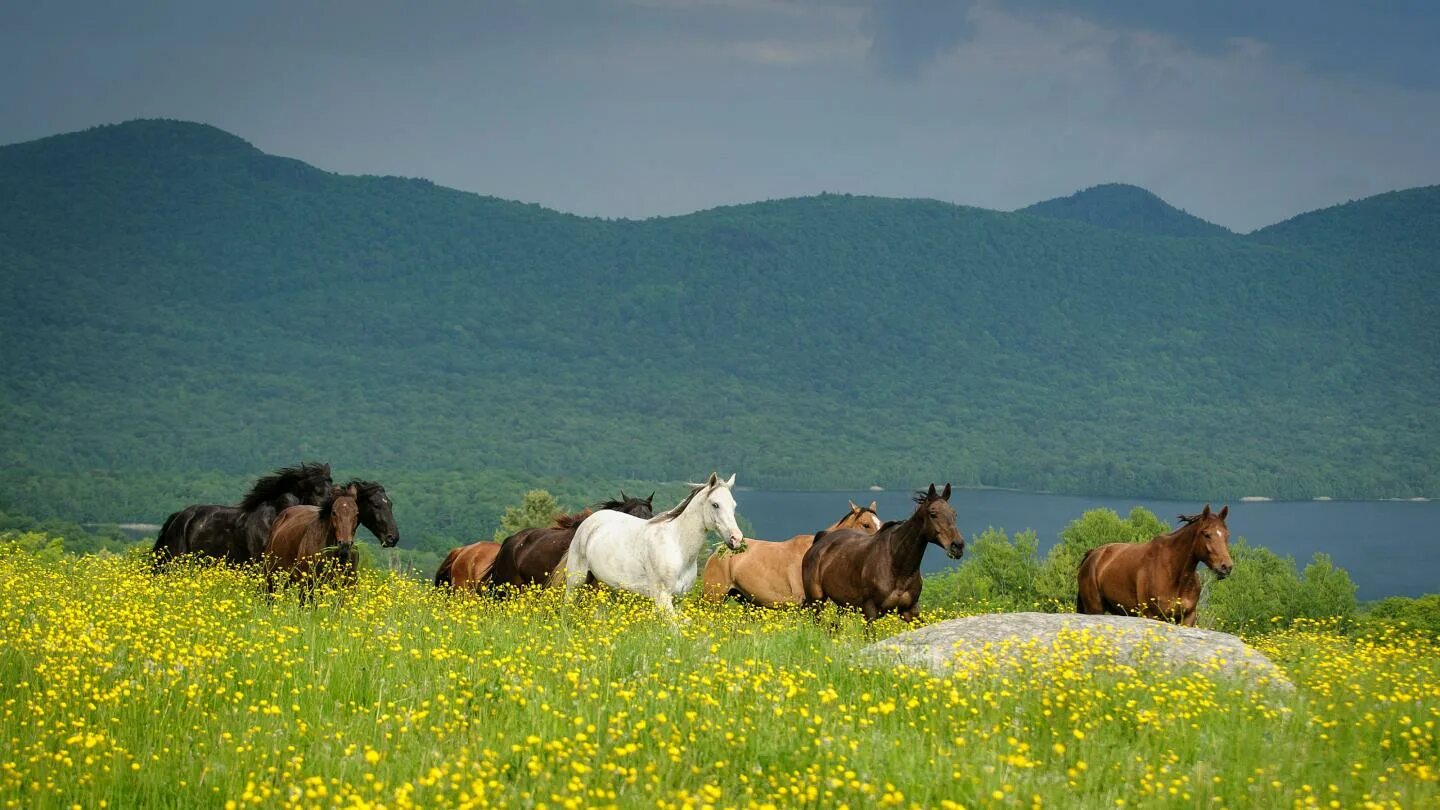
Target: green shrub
[[1266, 590], [998, 574], [1422, 613], [1055, 583]]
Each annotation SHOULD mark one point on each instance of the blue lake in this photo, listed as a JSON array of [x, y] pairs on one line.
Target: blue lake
[[1389, 547]]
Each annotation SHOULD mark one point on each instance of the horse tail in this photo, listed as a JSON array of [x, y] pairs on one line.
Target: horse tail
[[443, 578], [716, 581], [572, 521], [557, 577]]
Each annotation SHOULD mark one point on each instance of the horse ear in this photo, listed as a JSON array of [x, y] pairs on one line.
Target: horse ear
[[854, 507], [1205, 513], [874, 506], [353, 491], [1224, 510], [945, 496], [651, 499], [714, 479], [730, 484], [932, 494], [622, 495]]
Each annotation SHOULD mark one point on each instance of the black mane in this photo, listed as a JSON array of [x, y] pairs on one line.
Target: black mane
[[365, 489], [639, 507], [282, 482]]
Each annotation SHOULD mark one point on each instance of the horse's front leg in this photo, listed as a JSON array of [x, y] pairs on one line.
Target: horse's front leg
[[911, 613]]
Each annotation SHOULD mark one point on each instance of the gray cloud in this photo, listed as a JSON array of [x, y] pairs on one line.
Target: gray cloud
[[666, 106]]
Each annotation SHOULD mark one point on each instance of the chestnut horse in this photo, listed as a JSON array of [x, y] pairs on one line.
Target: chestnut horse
[[530, 556], [880, 573], [468, 566], [768, 572], [1156, 579], [311, 543]]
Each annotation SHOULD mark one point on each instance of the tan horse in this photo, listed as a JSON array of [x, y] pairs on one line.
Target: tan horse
[[1156, 579], [311, 543], [768, 572], [468, 567]]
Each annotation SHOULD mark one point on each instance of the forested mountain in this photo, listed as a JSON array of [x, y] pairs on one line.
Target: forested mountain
[[178, 303], [1123, 207]]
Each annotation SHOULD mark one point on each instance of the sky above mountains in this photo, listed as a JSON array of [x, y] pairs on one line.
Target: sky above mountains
[[1241, 113]]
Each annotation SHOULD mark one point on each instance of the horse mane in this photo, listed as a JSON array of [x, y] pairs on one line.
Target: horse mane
[[887, 524], [364, 488], [563, 521], [629, 506], [671, 514], [282, 482], [923, 496], [327, 506], [1187, 520]]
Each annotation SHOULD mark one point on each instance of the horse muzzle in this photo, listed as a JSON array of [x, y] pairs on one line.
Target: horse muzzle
[[390, 542], [735, 541], [1223, 571], [955, 551]]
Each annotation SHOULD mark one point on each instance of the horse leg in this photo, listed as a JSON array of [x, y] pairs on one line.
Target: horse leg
[[911, 613], [871, 611], [577, 572]]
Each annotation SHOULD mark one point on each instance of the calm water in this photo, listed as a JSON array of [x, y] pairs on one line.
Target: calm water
[[1389, 547]]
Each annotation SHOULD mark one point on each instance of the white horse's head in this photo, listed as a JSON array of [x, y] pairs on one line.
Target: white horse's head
[[718, 513]]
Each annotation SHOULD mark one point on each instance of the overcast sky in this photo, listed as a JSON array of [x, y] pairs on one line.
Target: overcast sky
[[1243, 112]]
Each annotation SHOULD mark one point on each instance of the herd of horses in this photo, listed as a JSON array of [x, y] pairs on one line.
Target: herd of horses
[[300, 527]]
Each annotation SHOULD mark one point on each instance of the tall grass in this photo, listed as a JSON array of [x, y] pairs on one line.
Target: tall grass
[[122, 689]]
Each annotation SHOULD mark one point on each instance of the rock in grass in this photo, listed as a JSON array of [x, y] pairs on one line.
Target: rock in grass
[[998, 639]]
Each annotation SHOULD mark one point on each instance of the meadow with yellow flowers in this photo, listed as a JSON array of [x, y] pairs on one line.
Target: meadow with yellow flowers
[[122, 689]]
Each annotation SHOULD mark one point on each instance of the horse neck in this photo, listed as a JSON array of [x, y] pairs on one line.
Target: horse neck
[[850, 521], [1180, 557], [907, 545], [689, 526]]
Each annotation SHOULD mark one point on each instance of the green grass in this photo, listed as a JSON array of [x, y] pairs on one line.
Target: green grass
[[125, 690]]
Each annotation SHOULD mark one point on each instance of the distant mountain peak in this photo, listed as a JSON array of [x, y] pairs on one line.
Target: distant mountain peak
[[1123, 207]]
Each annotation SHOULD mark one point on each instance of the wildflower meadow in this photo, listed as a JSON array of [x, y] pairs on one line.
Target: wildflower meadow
[[121, 688]]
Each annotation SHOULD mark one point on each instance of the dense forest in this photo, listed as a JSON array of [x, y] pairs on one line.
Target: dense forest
[[184, 312]]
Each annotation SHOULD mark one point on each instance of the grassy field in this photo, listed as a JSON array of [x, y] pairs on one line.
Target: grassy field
[[124, 690]]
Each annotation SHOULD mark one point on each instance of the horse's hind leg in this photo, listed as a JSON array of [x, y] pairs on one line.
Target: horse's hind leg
[[577, 572]]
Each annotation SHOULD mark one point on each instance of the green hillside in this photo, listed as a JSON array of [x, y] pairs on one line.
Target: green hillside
[[178, 304], [1123, 207]]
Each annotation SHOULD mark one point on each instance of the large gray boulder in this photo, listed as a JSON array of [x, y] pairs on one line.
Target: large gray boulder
[[1001, 639]]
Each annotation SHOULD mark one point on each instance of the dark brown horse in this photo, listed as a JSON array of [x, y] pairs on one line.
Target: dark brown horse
[[313, 544], [767, 572], [530, 556], [880, 573], [237, 534], [1156, 579]]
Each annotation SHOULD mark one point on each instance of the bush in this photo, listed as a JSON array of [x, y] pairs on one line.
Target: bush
[[1265, 590], [1422, 613], [998, 574], [538, 508]]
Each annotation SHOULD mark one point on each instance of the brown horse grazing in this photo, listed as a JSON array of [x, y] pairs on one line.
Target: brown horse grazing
[[767, 572], [880, 573], [1156, 579], [312, 543], [530, 556]]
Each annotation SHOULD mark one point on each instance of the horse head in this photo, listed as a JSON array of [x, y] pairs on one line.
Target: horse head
[[863, 518], [342, 514], [377, 513], [719, 510], [1212, 540], [938, 517]]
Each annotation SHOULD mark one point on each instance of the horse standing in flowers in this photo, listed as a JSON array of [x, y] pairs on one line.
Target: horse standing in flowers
[[880, 573], [530, 556], [655, 557], [237, 534], [313, 543], [768, 572], [1156, 579]]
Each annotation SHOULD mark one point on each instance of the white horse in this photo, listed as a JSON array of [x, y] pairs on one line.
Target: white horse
[[656, 557]]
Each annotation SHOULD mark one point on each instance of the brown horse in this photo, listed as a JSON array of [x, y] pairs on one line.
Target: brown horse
[[530, 556], [1156, 579], [312, 543], [467, 567], [880, 573], [768, 572]]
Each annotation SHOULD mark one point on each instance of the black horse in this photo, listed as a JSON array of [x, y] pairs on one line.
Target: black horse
[[376, 511], [237, 534]]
